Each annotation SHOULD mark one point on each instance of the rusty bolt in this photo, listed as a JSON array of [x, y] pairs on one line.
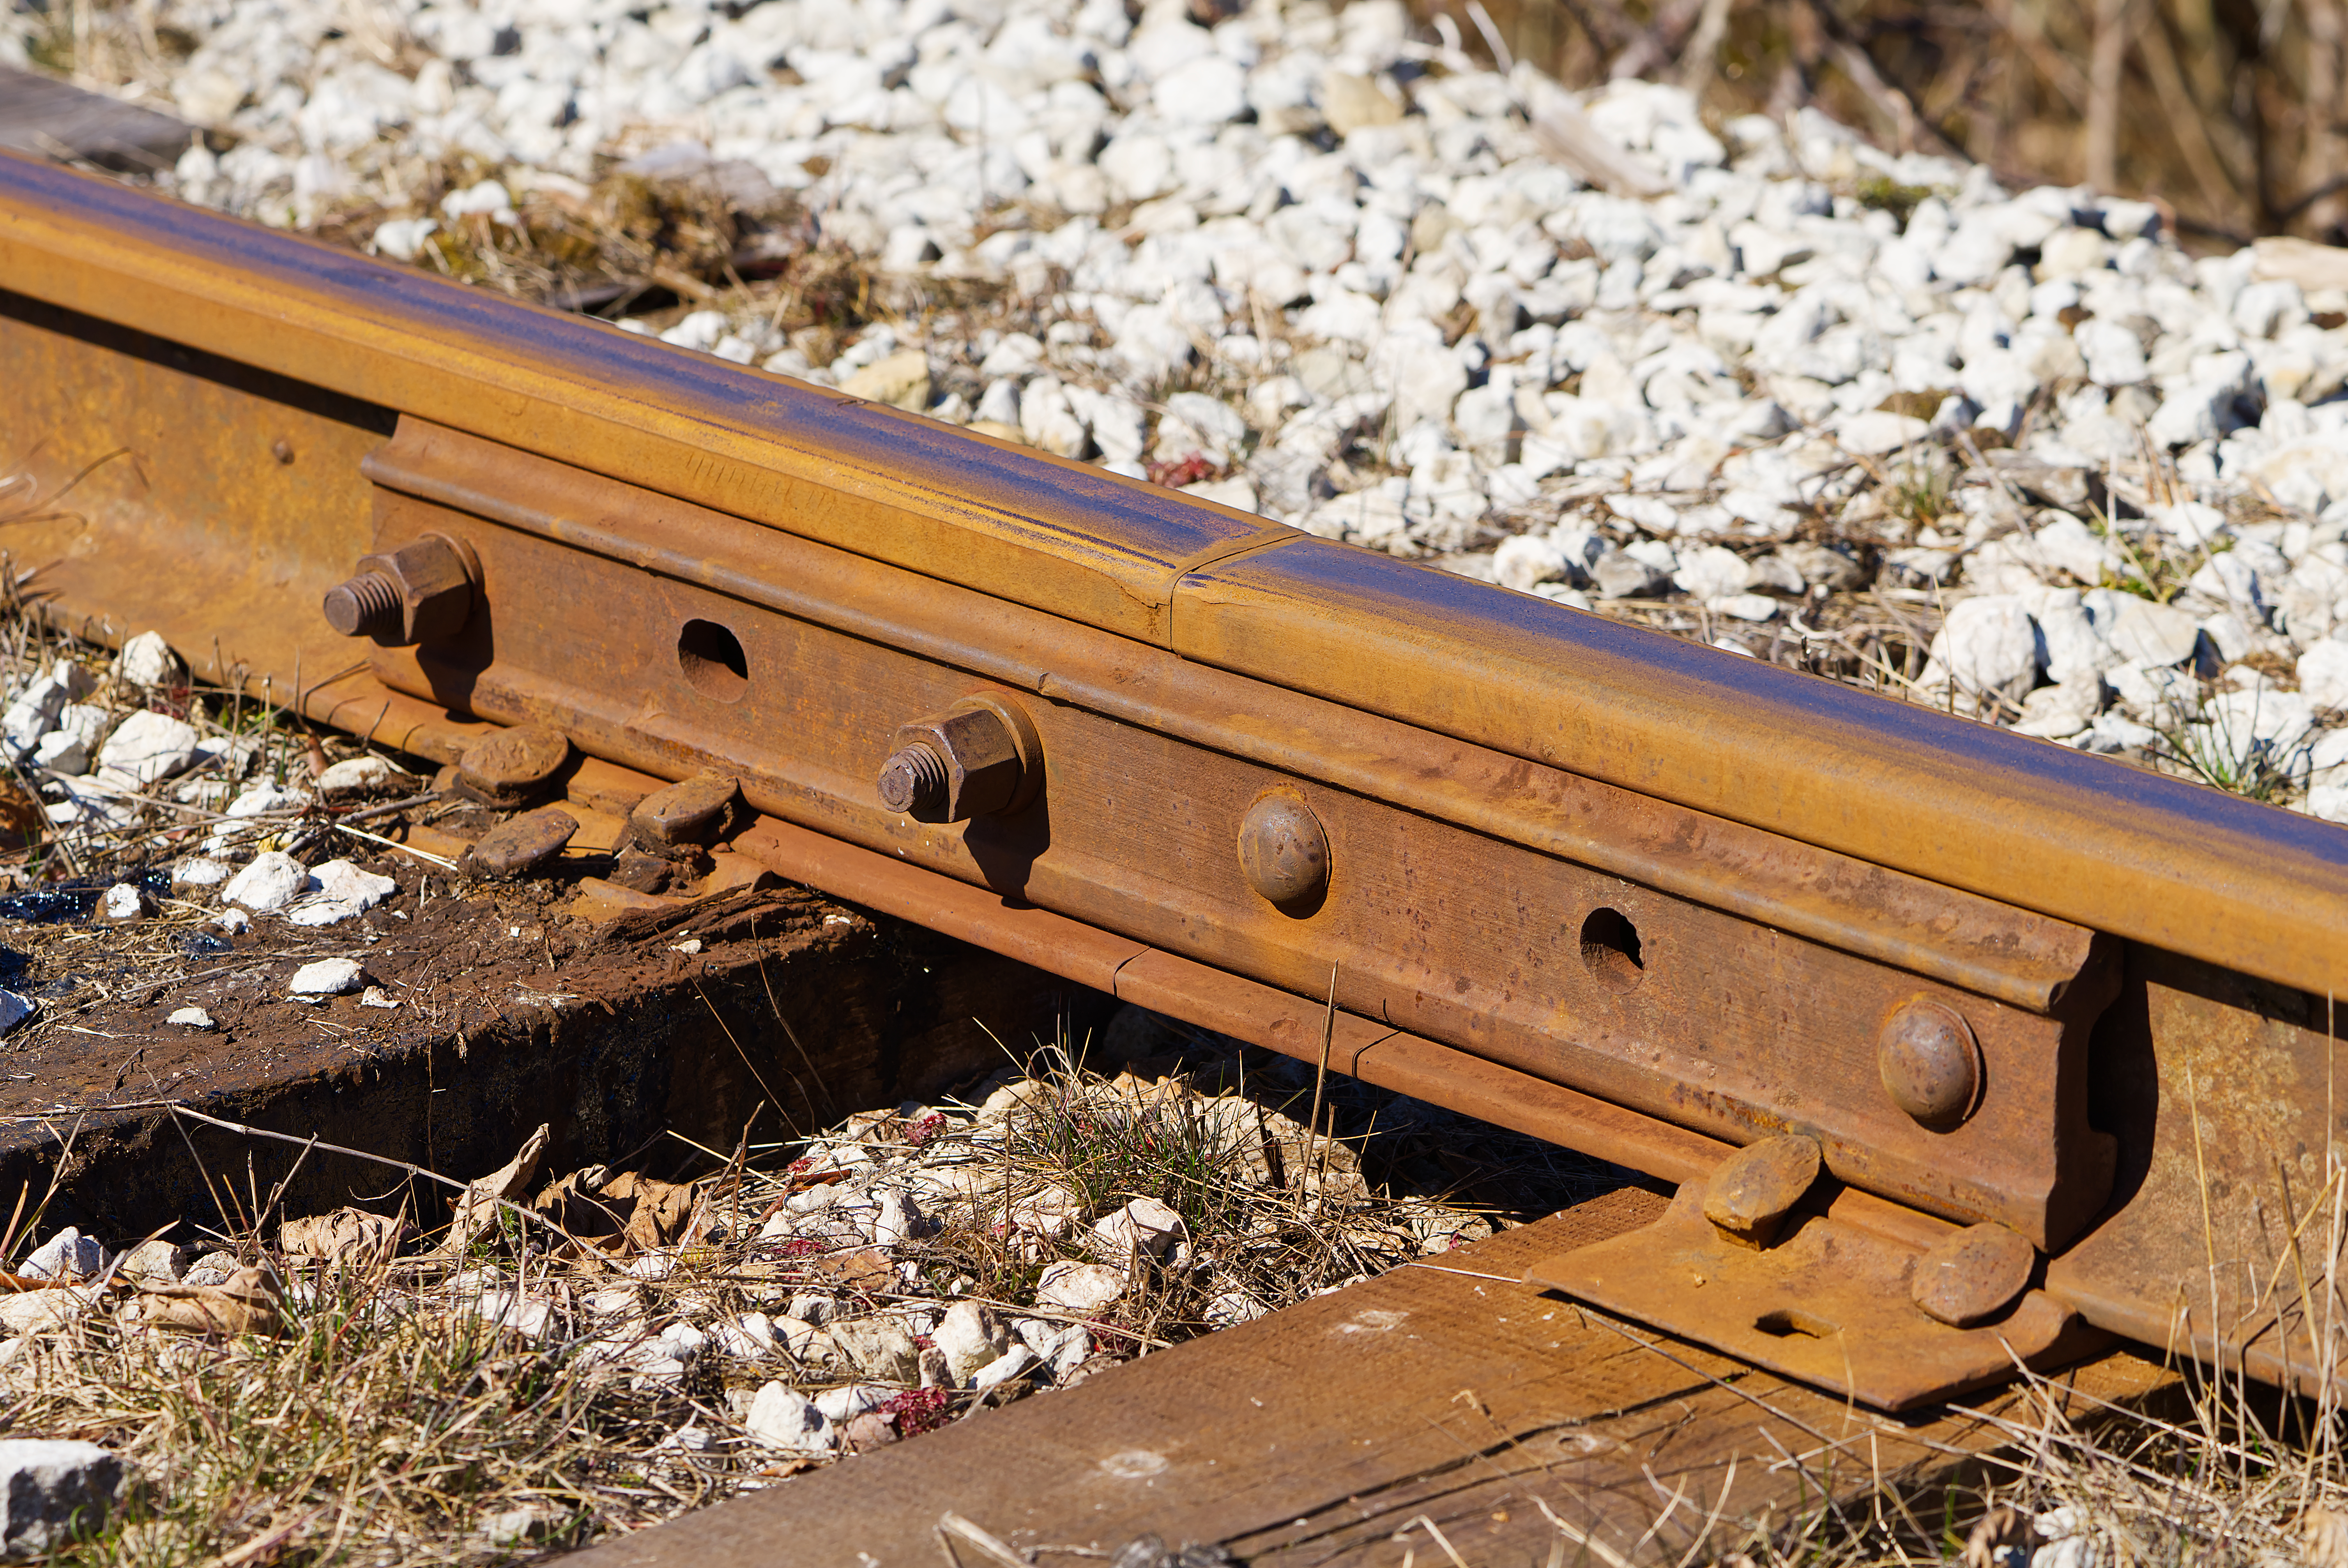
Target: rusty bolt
[[1972, 1276], [1931, 1062], [421, 592], [913, 781], [1748, 1196], [1283, 853], [978, 758]]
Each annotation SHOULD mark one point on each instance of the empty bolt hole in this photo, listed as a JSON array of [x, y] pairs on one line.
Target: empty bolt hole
[[1785, 1324], [1610, 949], [711, 658]]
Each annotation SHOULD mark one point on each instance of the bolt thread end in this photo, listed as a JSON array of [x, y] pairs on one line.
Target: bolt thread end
[[365, 606], [915, 782]]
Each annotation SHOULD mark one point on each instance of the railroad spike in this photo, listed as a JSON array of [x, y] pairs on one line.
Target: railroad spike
[[1972, 1276], [1750, 1194]]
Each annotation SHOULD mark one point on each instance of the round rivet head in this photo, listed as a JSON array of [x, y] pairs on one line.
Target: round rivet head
[[1972, 1276], [1283, 853], [1931, 1062]]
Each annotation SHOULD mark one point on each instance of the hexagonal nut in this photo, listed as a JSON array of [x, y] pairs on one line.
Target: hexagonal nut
[[436, 590], [982, 758]]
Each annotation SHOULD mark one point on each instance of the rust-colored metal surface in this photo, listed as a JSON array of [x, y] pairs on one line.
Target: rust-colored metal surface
[[2030, 825], [1624, 891], [1864, 909], [2225, 1225], [596, 596], [1826, 1303], [1241, 1009]]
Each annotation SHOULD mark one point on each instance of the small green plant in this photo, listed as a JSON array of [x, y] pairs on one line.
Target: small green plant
[[1886, 194], [1920, 489], [2211, 750], [1108, 1149]]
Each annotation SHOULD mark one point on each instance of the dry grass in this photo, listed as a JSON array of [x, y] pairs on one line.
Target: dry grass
[[2226, 111], [2219, 1474], [526, 1390]]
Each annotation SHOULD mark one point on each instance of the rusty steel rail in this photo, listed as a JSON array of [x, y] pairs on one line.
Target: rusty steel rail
[[1623, 890]]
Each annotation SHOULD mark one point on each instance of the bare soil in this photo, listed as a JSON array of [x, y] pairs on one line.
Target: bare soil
[[509, 1013]]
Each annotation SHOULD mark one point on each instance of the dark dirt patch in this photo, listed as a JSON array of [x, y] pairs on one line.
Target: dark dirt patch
[[511, 1013]]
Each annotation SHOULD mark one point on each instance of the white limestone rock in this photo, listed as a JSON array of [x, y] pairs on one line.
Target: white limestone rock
[[1987, 644], [1145, 1229], [325, 978], [2323, 674], [269, 882], [782, 1419], [53, 1489], [357, 776], [1080, 1287], [970, 1337], [339, 891], [145, 748], [68, 1256], [146, 660]]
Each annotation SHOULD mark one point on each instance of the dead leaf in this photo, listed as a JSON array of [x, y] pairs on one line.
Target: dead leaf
[[660, 1214], [572, 1202], [246, 1302], [476, 1210], [867, 1269], [21, 818], [9, 1282], [622, 1214], [346, 1234]]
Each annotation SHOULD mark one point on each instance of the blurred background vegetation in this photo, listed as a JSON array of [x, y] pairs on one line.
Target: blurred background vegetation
[[2229, 112]]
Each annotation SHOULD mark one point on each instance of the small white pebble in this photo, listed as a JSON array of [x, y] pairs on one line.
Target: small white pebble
[[326, 978], [122, 901], [235, 922], [198, 872], [356, 776], [376, 996], [690, 945], [191, 1017]]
